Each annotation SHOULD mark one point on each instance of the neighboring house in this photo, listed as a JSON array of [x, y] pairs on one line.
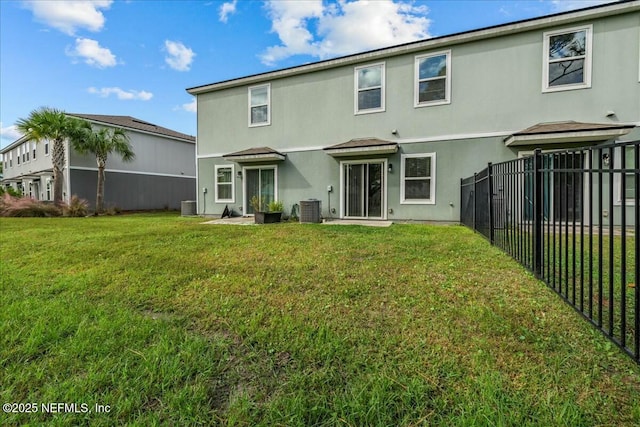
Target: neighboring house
[[388, 134], [161, 175]]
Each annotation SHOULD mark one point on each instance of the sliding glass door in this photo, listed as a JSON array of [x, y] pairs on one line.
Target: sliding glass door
[[364, 189], [261, 183]]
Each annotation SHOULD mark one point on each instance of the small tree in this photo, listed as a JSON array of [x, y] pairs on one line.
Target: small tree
[[56, 126], [101, 143]]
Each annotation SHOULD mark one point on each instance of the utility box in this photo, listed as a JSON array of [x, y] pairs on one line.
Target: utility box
[[188, 208], [310, 211]]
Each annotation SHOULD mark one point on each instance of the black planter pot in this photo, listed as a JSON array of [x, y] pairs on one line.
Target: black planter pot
[[267, 217]]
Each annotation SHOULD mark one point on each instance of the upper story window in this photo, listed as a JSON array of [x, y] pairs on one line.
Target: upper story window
[[18, 155], [25, 149], [10, 159], [369, 96], [260, 105], [567, 59], [418, 176], [46, 148], [433, 79], [224, 184], [33, 149]]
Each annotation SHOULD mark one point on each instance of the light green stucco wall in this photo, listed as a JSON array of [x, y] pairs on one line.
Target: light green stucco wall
[[496, 90]]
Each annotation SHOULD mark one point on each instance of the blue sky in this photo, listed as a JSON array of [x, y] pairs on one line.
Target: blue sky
[[137, 57]]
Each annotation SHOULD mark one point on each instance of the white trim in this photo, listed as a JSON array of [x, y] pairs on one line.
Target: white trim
[[587, 59], [233, 183], [268, 104], [447, 77], [267, 157], [354, 151], [66, 176], [245, 202], [195, 154], [452, 137], [384, 195], [565, 137], [82, 168], [432, 199], [356, 89], [618, 153]]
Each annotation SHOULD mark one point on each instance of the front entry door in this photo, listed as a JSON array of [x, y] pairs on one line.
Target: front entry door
[[363, 192]]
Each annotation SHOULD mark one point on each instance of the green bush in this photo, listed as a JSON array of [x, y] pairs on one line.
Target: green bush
[[76, 207], [276, 206], [10, 191]]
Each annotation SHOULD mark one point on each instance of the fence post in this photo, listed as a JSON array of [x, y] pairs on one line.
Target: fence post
[[538, 205], [490, 178], [475, 197]]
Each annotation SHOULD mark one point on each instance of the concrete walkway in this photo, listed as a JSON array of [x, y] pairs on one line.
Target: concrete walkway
[[247, 220]]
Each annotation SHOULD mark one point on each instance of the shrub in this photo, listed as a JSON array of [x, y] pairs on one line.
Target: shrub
[[26, 207], [10, 191], [76, 207], [276, 206]]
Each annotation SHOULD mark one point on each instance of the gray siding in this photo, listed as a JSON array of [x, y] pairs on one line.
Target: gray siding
[[129, 191]]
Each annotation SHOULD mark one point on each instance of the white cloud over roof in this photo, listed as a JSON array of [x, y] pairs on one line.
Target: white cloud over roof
[[121, 94], [310, 27], [228, 8], [179, 57], [10, 132], [68, 16], [92, 53]]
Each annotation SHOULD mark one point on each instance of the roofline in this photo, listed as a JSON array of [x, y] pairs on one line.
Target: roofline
[[14, 144], [134, 129], [530, 24]]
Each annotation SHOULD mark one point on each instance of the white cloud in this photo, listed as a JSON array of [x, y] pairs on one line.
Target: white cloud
[[342, 28], [191, 107], [121, 94], [228, 8], [10, 132], [69, 16], [565, 5], [179, 56], [93, 54]]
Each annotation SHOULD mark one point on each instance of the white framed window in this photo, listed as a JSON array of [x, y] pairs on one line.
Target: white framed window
[[260, 105], [46, 148], [25, 148], [626, 192], [18, 154], [418, 179], [10, 159], [433, 79], [567, 59], [225, 188], [369, 88], [33, 150]]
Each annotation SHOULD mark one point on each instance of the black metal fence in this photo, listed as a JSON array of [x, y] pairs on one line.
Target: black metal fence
[[572, 218]]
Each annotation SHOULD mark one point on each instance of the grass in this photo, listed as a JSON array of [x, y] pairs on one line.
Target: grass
[[171, 322], [571, 265]]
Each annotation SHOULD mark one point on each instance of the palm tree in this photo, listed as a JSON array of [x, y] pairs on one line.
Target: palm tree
[[101, 143], [56, 126]]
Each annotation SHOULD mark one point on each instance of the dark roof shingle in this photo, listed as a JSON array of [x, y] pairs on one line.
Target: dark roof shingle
[[133, 123]]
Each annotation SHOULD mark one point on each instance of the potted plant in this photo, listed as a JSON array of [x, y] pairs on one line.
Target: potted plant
[[266, 213]]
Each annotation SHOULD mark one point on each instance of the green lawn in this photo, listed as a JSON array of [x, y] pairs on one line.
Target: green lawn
[[171, 322]]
